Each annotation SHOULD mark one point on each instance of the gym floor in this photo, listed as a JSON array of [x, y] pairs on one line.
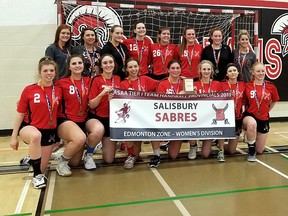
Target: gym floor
[[181, 187]]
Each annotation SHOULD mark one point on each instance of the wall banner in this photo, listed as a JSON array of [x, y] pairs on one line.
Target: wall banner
[[140, 116]]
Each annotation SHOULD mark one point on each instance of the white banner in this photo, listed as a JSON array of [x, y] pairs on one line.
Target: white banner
[[140, 116]]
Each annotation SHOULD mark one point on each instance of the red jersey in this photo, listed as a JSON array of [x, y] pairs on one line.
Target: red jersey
[[139, 50], [143, 83], [33, 102], [74, 98], [161, 55], [97, 86], [238, 92], [166, 87], [211, 87], [190, 59], [259, 97]]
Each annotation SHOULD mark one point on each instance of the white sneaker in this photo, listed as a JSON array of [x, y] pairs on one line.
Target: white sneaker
[[89, 163], [129, 163], [192, 152], [63, 169], [98, 147], [25, 161], [56, 154], [39, 181]]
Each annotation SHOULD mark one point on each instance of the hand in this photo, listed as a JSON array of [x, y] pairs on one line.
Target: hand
[[14, 143]]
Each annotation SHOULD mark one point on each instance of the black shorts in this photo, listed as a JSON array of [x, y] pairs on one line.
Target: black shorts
[[104, 120], [262, 125], [238, 127], [49, 136], [80, 124]]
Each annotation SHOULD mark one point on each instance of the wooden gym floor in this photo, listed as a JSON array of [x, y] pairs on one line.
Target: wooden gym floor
[[181, 187]]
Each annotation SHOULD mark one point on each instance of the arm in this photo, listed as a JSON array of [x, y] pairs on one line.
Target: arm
[[93, 103], [272, 104], [14, 140]]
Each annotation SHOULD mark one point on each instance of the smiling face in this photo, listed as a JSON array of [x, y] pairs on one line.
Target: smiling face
[[205, 71], [64, 35], [76, 65], [107, 64], [174, 70], [132, 69], [217, 37], [190, 36], [164, 37], [258, 72], [47, 74], [140, 30], [232, 72], [243, 41], [117, 34], [89, 37]]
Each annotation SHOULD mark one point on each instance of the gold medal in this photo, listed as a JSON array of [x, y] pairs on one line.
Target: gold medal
[[190, 69], [258, 113], [80, 112], [51, 122]]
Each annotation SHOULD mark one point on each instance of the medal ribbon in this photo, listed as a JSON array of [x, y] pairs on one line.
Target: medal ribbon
[[121, 53], [80, 98], [50, 105], [216, 56], [203, 89], [138, 84], [163, 57], [91, 60], [105, 81], [262, 96], [241, 63], [172, 87], [140, 53], [190, 57], [235, 94]]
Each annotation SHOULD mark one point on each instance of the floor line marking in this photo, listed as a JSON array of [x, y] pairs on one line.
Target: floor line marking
[[276, 151], [273, 169], [279, 134], [170, 192], [23, 195], [50, 192], [164, 199]]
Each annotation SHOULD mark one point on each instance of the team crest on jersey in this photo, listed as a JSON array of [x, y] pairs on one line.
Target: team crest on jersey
[[280, 27], [123, 113], [220, 114], [101, 19]]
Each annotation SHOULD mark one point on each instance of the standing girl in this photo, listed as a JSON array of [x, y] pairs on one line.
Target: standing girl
[[261, 96], [117, 49], [138, 46], [100, 93], [60, 49], [189, 53], [136, 83], [36, 119], [72, 119], [244, 57], [161, 53], [218, 53], [90, 52]]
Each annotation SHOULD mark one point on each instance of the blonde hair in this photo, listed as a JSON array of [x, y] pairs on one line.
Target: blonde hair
[[253, 68], [200, 66]]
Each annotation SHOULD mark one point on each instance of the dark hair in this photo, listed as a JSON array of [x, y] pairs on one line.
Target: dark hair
[[58, 31], [160, 31], [184, 40], [47, 61], [68, 71], [101, 59], [133, 34], [83, 33], [237, 67], [174, 61], [130, 60]]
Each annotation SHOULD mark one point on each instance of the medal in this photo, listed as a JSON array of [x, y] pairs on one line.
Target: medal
[[190, 69], [258, 112], [216, 70], [163, 70], [51, 122], [80, 112]]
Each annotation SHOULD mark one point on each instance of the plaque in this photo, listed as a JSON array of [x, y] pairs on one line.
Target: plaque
[[188, 85]]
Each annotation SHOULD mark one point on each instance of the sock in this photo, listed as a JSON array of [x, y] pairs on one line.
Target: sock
[[251, 147], [90, 150], [36, 164], [130, 151], [156, 152], [193, 145]]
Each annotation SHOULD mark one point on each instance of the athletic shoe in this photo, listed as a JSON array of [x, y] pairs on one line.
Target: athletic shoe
[[98, 147], [25, 161], [129, 163], [220, 156], [89, 163], [164, 147], [62, 168], [192, 152], [154, 162], [251, 157], [39, 181], [57, 153]]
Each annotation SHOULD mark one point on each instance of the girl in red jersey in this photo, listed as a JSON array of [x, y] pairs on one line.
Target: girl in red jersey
[[206, 85], [100, 93], [117, 49], [161, 53], [218, 53], [171, 85], [137, 83], [72, 119], [261, 96], [138, 46], [189, 53], [233, 83], [36, 119]]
